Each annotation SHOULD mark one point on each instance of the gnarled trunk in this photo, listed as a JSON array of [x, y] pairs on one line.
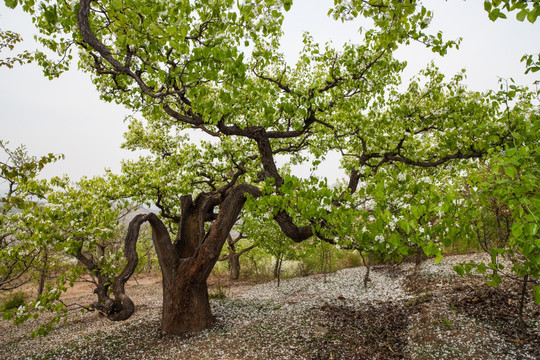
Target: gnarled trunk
[[186, 263]]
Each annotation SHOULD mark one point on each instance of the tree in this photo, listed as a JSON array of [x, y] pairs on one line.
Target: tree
[[77, 221], [84, 219], [503, 201], [234, 254], [502, 196], [266, 235], [216, 67], [19, 255]]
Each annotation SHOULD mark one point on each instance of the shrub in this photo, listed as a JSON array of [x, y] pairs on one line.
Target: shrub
[[218, 293], [13, 301]]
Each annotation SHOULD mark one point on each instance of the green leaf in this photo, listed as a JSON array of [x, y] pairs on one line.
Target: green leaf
[[495, 281], [481, 269], [12, 4], [536, 290], [531, 229], [287, 4], [522, 14], [511, 172], [405, 226], [532, 16], [459, 269], [517, 229], [493, 15]]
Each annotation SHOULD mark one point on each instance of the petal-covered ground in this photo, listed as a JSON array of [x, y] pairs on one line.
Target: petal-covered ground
[[430, 313]]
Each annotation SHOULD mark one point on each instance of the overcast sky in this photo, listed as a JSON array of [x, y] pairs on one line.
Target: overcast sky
[[66, 116]]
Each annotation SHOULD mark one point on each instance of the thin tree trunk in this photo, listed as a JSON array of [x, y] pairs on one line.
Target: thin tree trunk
[[418, 258], [234, 263], [255, 266], [277, 268], [43, 275], [522, 324], [367, 264]]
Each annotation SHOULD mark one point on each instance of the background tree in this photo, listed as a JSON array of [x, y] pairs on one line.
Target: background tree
[[503, 201], [267, 235], [216, 67], [234, 253], [147, 261], [78, 221], [19, 255]]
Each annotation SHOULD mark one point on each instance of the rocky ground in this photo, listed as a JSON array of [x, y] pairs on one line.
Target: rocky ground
[[430, 313]]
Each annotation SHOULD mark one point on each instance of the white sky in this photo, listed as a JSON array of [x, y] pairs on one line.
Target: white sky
[[66, 116]]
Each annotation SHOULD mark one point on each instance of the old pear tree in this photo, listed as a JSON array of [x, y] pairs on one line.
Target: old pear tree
[[215, 68]]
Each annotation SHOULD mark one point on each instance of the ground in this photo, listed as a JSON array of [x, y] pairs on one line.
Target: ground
[[430, 313]]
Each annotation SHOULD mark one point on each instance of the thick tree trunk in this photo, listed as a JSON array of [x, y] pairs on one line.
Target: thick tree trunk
[[186, 306], [185, 264], [188, 264]]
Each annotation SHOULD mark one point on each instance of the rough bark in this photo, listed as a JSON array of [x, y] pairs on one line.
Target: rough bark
[[186, 305]]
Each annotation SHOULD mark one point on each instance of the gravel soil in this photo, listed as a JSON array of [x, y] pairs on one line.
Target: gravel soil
[[427, 312]]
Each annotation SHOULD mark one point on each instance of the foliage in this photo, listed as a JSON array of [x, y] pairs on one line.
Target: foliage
[[507, 189], [43, 222], [266, 235], [148, 261], [218, 293], [529, 10], [315, 257], [8, 39], [20, 250]]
